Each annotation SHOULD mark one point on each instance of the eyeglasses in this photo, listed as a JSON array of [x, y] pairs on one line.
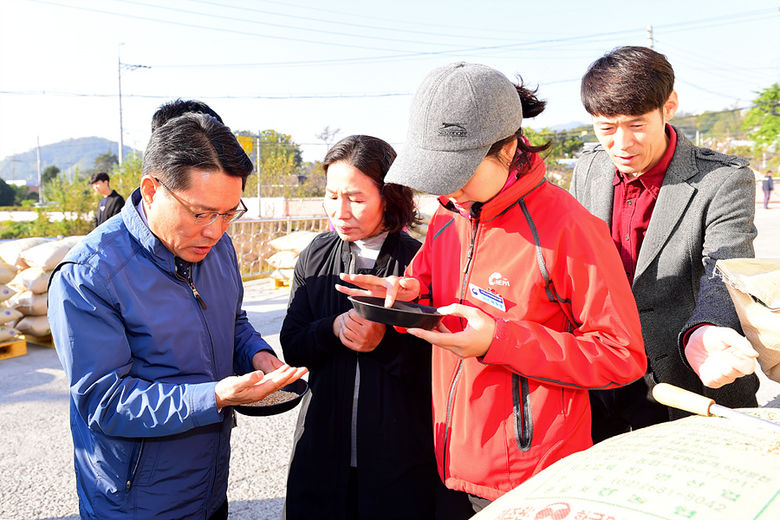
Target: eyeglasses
[[208, 217]]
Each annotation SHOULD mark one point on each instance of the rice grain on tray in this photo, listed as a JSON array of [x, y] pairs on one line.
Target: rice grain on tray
[[280, 396]]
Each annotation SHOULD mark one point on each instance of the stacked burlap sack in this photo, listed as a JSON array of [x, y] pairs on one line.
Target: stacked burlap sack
[[287, 248], [25, 269]]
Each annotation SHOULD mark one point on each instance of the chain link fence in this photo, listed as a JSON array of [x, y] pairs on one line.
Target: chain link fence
[[251, 239]]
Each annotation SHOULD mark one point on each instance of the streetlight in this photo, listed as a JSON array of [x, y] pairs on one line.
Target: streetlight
[[119, 73]]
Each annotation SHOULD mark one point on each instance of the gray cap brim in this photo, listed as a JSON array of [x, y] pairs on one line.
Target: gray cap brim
[[438, 172]]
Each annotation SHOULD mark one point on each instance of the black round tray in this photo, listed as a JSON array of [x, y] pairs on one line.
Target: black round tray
[[299, 387], [401, 314]]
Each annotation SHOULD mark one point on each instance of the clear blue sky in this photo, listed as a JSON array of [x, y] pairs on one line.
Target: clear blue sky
[[297, 66]]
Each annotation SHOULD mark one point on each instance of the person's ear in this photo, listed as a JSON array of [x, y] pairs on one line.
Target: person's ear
[[670, 107], [508, 151], [148, 189]]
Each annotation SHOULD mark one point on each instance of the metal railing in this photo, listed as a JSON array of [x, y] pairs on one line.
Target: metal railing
[[251, 239]]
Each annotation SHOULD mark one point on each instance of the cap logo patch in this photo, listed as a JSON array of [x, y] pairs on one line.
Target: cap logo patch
[[453, 129]]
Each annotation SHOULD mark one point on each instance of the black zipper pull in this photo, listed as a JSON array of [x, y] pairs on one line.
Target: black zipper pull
[[197, 295], [184, 273]]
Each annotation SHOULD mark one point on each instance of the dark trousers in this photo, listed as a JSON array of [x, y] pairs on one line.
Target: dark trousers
[[221, 513], [624, 409], [767, 195], [457, 505]]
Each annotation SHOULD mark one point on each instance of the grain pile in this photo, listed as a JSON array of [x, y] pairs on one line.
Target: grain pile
[[278, 397]]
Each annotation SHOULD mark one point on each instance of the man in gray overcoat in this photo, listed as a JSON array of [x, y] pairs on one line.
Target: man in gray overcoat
[[674, 209]]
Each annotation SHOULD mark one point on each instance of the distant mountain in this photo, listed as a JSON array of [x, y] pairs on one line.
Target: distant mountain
[[568, 126], [66, 155]]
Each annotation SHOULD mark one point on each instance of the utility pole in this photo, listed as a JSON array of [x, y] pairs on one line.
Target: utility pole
[[14, 160], [650, 36], [38, 157], [257, 163], [119, 75], [121, 132]]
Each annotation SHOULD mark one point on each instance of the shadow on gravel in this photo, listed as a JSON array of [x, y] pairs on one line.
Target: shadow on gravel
[[266, 509], [20, 376]]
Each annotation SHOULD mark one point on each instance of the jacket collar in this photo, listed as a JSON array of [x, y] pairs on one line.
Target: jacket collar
[[143, 235], [530, 178], [385, 252]]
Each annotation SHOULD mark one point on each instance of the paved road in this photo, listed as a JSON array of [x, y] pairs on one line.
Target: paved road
[[36, 468]]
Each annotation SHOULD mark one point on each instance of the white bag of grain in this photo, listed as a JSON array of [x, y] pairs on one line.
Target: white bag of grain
[[11, 251], [283, 259], [7, 272], [34, 325], [7, 333], [295, 241], [6, 293], [29, 303], [33, 278], [754, 286], [706, 468], [9, 316], [48, 255]]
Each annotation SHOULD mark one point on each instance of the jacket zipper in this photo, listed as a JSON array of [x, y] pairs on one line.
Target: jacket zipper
[[202, 303], [522, 410], [450, 398], [131, 477], [195, 292]]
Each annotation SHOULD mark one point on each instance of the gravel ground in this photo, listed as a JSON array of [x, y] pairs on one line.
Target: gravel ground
[[36, 469]]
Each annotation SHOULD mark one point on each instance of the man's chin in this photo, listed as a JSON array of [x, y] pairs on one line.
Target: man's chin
[[195, 254], [626, 170]]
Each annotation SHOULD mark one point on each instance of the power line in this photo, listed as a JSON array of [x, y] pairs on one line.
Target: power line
[[209, 28], [342, 23], [157, 96], [281, 26]]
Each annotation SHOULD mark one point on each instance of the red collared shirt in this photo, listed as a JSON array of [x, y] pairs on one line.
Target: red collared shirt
[[632, 206]]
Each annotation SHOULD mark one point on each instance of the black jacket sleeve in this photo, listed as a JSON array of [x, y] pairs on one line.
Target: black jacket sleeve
[[306, 340]]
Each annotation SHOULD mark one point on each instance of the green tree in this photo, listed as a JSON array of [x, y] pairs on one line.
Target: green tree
[[23, 194], [73, 200], [7, 194], [563, 145], [105, 162], [280, 165], [48, 174], [763, 120], [127, 176]]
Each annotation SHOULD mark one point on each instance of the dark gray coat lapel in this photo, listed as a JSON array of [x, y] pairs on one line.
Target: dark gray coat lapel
[[673, 200], [600, 172]]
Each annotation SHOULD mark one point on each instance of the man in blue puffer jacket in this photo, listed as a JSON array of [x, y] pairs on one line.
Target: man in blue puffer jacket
[[146, 317]]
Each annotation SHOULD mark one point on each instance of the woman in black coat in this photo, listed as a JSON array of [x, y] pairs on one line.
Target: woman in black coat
[[363, 442]]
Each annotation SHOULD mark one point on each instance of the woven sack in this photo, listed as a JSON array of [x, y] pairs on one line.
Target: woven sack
[[700, 468], [754, 286]]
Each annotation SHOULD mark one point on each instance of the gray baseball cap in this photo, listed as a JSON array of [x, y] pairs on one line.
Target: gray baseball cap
[[459, 111]]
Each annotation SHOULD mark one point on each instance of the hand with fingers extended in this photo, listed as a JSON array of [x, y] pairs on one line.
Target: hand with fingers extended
[[391, 288], [356, 333], [473, 341], [254, 386], [719, 355], [266, 361]]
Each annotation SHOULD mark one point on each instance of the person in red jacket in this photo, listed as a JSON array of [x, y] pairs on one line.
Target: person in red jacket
[[538, 310]]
